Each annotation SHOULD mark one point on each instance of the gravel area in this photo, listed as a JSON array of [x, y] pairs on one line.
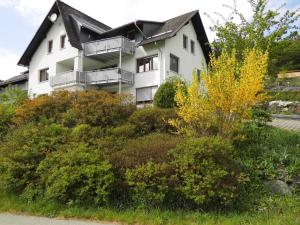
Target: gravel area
[[10, 219]]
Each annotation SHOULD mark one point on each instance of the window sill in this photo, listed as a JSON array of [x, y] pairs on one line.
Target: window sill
[[43, 82]]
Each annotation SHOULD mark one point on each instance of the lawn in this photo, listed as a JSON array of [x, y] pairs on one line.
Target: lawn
[[285, 211]]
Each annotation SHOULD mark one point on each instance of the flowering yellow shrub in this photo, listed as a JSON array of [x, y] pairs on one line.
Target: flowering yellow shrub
[[230, 91]]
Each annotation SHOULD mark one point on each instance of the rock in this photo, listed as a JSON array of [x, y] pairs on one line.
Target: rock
[[278, 187]]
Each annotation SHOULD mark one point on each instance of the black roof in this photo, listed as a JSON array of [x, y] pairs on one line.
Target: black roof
[[71, 17], [16, 79], [74, 19]]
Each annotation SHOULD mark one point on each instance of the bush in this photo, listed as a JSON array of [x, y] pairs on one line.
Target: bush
[[149, 183], [152, 119], [22, 151], [206, 171], [95, 108], [285, 95], [269, 153], [139, 151], [76, 174], [165, 95]]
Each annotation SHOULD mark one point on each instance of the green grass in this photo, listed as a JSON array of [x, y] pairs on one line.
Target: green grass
[[287, 211]]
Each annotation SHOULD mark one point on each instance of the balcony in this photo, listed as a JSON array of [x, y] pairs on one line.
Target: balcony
[[68, 78], [107, 49], [97, 77]]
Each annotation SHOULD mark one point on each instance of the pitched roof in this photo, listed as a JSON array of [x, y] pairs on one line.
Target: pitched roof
[[172, 26], [72, 19], [15, 79]]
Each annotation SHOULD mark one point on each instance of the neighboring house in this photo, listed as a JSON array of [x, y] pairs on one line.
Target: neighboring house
[[73, 51], [20, 81]]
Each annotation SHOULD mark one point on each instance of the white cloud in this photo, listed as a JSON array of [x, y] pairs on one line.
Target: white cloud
[[8, 61]]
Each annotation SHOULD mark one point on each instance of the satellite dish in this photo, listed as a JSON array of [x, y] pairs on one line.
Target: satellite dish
[[53, 17]]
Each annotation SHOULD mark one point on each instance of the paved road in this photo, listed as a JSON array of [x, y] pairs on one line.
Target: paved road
[[10, 219], [288, 124]]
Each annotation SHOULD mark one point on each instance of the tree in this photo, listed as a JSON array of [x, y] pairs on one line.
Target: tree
[[9, 101], [231, 90], [265, 28], [164, 97]]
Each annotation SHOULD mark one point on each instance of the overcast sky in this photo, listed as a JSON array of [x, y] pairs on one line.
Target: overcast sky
[[19, 19]]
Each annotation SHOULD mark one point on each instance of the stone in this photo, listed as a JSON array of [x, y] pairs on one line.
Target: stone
[[278, 187]]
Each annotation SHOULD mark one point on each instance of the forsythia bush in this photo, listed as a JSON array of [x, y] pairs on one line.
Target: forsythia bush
[[231, 90]]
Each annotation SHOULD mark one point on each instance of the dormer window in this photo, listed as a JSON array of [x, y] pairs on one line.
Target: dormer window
[[50, 46], [63, 41]]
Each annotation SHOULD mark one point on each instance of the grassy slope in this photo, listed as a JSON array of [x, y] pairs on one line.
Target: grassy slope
[[287, 212]]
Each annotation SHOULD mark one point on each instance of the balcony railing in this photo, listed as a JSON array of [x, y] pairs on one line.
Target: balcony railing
[[109, 45], [96, 77], [68, 78]]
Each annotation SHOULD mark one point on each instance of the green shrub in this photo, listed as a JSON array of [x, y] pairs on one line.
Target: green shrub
[[206, 171], [153, 147], [285, 95], [164, 96], [76, 174], [97, 108], [125, 130], [10, 100], [152, 119], [269, 153], [22, 151], [149, 183]]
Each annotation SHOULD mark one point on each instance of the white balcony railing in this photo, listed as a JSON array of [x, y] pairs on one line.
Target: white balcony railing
[[109, 45], [107, 76]]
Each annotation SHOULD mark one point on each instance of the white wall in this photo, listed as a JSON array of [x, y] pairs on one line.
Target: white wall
[[41, 59], [187, 60]]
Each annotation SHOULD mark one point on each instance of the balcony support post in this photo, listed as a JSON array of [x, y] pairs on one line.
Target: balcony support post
[[120, 72]]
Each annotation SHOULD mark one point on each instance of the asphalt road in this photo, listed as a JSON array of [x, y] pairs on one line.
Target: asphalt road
[[10, 219]]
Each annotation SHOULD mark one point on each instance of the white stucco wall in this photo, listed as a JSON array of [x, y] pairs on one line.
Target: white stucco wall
[[187, 60], [41, 59], [187, 63]]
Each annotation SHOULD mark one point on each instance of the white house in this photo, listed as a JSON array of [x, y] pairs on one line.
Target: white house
[[75, 52]]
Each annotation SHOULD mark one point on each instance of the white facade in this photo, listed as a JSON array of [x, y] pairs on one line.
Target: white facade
[[70, 58]]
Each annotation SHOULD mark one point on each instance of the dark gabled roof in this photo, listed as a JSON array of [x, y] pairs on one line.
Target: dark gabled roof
[[16, 79], [71, 17], [172, 26]]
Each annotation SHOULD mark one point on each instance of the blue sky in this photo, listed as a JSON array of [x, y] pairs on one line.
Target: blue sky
[[19, 19]]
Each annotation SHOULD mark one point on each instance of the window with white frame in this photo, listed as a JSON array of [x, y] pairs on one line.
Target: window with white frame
[[185, 42], [145, 94], [147, 64], [174, 63], [50, 46], [63, 41], [44, 75], [192, 47]]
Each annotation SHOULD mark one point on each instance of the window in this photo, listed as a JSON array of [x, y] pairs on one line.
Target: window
[[44, 75], [147, 64], [198, 74], [192, 47], [174, 63], [62, 41], [145, 95], [185, 42], [50, 46]]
